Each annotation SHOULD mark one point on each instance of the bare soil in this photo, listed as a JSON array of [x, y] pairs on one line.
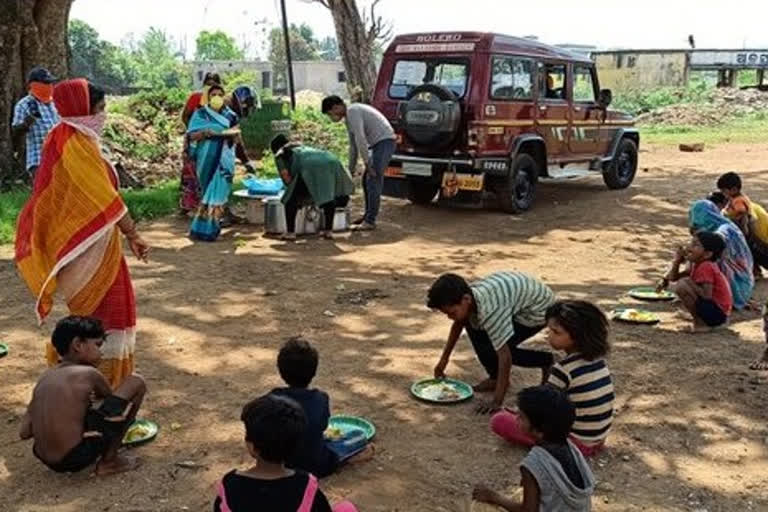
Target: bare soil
[[690, 431]]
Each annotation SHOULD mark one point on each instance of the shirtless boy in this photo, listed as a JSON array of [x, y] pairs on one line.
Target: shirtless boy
[[69, 433]]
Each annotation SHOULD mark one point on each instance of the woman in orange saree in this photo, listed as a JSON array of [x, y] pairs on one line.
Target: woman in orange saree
[[68, 236]]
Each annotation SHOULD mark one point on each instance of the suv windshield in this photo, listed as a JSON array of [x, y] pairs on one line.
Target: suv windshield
[[409, 74]]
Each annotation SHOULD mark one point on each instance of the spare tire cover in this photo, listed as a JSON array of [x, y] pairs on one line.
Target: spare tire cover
[[431, 115]]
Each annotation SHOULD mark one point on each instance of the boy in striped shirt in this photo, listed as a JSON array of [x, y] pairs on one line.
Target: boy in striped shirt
[[498, 313]]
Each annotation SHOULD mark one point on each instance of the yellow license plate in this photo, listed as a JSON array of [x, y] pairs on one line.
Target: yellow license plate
[[473, 182]]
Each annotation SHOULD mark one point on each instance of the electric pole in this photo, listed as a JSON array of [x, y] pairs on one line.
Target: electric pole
[[288, 56]]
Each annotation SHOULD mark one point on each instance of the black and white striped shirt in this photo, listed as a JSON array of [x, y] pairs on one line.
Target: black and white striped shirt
[[590, 388], [503, 298]]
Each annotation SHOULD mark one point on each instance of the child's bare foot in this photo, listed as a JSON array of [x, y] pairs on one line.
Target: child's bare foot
[[760, 363], [364, 456], [485, 386], [119, 464]]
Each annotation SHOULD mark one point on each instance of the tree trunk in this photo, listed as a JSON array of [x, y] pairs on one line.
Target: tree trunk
[[356, 48], [32, 33]]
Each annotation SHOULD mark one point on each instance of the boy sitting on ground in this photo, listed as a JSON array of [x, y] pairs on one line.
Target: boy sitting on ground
[[297, 363], [702, 288], [555, 475], [69, 433], [755, 229], [739, 204]]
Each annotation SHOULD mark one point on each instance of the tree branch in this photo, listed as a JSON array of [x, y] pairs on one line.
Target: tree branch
[[379, 29]]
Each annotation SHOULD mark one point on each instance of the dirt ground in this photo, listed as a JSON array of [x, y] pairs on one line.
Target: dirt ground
[[690, 432]]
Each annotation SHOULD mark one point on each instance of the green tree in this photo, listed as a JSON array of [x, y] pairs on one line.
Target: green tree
[[99, 61], [328, 48], [158, 63], [217, 46], [300, 50], [306, 33]]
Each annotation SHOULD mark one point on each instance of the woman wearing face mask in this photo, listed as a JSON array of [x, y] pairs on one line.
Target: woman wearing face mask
[[68, 237], [189, 199], [214, 155]]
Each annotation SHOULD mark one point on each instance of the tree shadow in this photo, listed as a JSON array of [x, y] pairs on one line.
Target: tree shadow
[[212, 317]]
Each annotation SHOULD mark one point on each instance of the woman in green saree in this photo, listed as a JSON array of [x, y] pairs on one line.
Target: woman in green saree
[[311, 176]]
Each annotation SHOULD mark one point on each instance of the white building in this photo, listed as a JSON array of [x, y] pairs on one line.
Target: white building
[[327, 77]]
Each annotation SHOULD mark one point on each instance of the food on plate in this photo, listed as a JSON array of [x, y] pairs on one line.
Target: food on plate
[[137, 432], [333, 433], [635, 315], [441, 392]]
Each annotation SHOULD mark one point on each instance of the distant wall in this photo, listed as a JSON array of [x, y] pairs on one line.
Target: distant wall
[[327, 77], [626, 69]]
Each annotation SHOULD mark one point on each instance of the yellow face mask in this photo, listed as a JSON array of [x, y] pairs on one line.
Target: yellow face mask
[[216, 102]]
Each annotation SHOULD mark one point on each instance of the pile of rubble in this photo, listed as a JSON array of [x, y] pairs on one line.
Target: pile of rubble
[[726, 104], [142, 156]]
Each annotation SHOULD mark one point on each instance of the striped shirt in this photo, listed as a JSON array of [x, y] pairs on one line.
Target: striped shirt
[[590, 389], [503, 298]]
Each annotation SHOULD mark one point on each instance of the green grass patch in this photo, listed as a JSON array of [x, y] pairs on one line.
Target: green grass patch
[[11, 203], [145, 204], [154, 202], [744, 131]]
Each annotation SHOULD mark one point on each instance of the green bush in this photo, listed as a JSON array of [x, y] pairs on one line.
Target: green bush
[[257, 127], [313, 128], [640, 101], [231, 80]]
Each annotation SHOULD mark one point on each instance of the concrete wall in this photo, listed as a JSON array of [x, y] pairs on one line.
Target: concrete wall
[[626, 69], [327, 77]]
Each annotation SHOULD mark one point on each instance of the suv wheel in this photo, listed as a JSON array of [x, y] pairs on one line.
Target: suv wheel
[[621, 170], [515, 193], [422, 190]]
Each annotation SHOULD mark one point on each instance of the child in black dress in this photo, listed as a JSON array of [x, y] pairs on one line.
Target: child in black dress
[[274, 427], [297, 363]]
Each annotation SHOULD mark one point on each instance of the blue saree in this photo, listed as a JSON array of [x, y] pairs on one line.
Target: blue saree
[[215, 166], [736, 261]]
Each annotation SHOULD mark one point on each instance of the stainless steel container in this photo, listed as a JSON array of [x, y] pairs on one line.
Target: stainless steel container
[[274, 217], [341, 220], [309, 220]]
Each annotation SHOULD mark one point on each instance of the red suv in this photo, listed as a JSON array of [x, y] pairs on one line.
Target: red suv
[[482, 113]]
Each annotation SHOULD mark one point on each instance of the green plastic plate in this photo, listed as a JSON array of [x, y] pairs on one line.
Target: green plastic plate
[[3, 350], [442, 391], [635, 316], [649, 293], [150, 432], [347, 423]]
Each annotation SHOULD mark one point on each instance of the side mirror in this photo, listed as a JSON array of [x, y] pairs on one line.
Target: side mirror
[[605, 98]]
